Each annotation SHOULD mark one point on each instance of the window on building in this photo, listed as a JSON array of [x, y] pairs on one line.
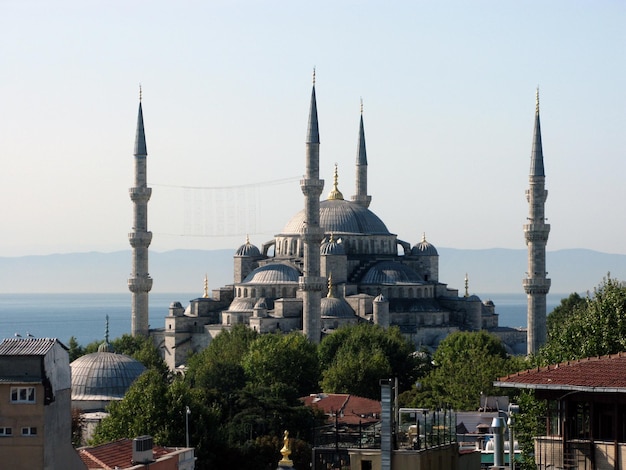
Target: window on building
[[22, 394], [6, 432], [29, 431]]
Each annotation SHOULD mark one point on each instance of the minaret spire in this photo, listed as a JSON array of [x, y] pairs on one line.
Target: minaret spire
[[536, 231], [361, 197], [140, 281], [311, 283]]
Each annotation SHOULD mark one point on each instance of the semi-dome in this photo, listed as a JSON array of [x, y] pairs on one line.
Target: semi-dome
[[340, 216], [390, 272], [424, 248], [103, 376], [332, 307], [275, 273]]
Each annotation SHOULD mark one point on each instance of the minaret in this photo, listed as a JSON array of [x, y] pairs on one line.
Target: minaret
[[140, 281], [361, 197], [311, 283], [536, 231]]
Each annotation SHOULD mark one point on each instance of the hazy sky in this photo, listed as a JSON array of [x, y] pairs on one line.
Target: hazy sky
[[449, 99]]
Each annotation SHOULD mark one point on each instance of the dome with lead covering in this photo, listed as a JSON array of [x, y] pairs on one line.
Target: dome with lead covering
[[275, 273], [103, 376], [424, 248], [247, 249], [340, 216], [390, 272], [333, 307], [332, 247]]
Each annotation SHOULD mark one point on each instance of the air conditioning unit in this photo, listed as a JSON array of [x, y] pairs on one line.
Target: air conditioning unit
[[142, 449]]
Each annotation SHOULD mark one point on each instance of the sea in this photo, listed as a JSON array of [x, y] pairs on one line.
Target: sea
[[83, 316]]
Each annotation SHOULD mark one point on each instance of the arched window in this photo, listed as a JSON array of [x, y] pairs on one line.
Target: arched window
[[245, 292]]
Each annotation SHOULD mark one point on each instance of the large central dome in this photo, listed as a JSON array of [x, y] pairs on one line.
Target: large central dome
[[340, 216]]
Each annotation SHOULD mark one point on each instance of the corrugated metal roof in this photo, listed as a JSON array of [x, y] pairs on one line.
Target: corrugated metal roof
[[27, 346]]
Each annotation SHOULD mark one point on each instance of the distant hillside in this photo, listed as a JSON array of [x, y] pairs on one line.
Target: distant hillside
[[490, 271]]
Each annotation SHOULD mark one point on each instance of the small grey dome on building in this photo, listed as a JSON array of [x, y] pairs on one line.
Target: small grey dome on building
[[242, 305], [390, 272], [275, 273], [339, 216], [101, 377], [332, 247], [333, 307], [176, 305], [247, 249], [473, 298], [424, 248]]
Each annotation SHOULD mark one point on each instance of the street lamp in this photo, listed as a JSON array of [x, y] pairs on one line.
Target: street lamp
[[187, 413]]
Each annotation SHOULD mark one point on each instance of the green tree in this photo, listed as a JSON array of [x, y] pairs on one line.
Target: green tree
[[218, 367], [562, 312], [465, 365], [594, 327], [356, 357], [290, 360], [75, 349]]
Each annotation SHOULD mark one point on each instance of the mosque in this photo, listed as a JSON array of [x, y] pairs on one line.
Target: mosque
[[333, 263]]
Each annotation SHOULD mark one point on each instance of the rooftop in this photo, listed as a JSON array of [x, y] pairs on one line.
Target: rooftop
[[593, 374]]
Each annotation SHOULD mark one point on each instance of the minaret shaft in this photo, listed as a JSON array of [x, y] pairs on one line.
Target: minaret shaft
[[140, 281], [536, 231], [311, 283]]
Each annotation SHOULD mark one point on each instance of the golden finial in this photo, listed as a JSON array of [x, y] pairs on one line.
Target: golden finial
[[285, 451], [537, 100], [332, 238], [423, 237], [330, 285], [313, 75], [140, 92], [361, 105], [335, 193], [247, 239], [205, 294], [466, 286]]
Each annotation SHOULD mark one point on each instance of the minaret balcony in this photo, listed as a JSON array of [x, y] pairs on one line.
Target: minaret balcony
[[138, 285], [536, 285], [312, 283], [141, 194], [312, 187], [140, 239], [536, 232]]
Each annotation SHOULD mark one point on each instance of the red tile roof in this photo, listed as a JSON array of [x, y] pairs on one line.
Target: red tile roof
[[593, 374], [114, 454], [351, 409]]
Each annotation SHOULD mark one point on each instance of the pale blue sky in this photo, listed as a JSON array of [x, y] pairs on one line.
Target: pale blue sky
[[449, 96]]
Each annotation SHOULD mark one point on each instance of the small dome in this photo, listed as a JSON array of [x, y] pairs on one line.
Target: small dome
[[247, 249], [275, 273], [176, 305], [424, 248], [103, 376], [332, 247], [390, 272], [473, 298], [333, 307], [242, 305]]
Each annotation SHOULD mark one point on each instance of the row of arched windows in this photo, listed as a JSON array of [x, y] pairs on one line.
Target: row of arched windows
[[273, 292]]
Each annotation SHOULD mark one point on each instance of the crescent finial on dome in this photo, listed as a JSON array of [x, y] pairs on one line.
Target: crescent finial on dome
[[330, 285], [335, 193], [205, 293]]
